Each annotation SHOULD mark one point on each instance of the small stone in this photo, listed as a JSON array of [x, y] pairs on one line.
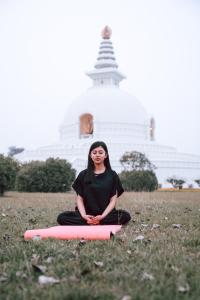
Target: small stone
[[99, 264], [44, 280], [139, 238], [155, 226], [176, 226]]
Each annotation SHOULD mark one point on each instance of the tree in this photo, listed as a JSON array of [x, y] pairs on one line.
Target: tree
[[60, 175], [8, 170], [13, 150], [136, 161], [198, 182], [139, 180], [53, 175], [175, 182], [138, 174], [32, 178]]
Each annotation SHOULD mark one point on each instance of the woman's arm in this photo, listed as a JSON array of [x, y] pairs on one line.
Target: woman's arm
[[81, 208], [110, 206], [108, 209]]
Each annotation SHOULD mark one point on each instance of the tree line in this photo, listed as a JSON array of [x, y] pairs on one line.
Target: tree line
[[56, 175]]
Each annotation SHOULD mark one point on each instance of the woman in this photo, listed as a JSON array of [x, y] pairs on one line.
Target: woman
[[97, 190]]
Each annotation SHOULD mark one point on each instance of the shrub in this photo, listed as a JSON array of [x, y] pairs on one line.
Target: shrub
[[198, 182], [139, 180], [53, 175], [177, 183], [8, 170]]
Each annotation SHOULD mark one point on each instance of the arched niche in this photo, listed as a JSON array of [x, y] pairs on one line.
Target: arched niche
[[86, 125]]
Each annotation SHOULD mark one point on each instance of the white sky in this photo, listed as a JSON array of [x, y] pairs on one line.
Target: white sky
[[46, 46]]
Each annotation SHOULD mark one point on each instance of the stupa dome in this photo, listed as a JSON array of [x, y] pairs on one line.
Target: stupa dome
[[105, 108], [107, 104]]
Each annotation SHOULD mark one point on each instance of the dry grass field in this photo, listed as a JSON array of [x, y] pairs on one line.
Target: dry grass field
[[164, 263]]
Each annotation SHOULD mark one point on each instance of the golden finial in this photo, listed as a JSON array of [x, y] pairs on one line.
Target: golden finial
[[106, 32]]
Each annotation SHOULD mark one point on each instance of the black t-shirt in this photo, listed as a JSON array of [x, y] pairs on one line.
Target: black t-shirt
[[97, 193]]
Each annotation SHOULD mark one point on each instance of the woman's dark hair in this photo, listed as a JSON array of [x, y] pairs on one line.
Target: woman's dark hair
[[90, 165]]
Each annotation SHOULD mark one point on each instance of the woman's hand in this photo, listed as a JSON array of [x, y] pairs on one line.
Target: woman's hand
[[92, 220], [96, 220], [88, 218]]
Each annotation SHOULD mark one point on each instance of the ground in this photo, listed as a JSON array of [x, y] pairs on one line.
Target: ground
[[165, 264]]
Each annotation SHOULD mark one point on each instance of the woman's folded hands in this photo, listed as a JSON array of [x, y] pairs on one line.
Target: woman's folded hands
[[93, 220]]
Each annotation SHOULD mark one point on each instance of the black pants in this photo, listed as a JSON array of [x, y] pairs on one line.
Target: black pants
[[113, 218]]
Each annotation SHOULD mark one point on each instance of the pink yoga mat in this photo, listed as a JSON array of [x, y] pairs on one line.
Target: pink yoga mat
[[91, 232]]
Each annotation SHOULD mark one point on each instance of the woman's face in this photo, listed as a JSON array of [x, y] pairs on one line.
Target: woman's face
[[98, 155]]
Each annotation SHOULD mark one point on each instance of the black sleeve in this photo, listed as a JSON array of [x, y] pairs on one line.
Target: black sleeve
[[117, 186], [78, 184]]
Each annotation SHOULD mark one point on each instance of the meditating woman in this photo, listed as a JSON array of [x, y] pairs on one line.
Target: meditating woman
[[97, 190]]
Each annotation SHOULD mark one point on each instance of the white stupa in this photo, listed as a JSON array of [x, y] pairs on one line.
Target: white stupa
[[105, 112]]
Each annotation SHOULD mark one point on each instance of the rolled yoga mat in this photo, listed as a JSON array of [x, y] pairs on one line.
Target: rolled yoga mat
[[91, 232]]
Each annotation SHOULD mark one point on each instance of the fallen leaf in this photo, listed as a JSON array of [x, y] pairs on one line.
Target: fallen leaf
[[184, 288], [176, 225], [21, 274], [138, 238], [144, 225], [99, 264], [126, 297], [3, 277], [43, 280], [39, 268], [49, 259], [148, 276], [174, 268], [155, 226], [73, 278]]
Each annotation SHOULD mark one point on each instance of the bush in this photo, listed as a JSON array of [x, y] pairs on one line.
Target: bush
[[8, 170], [53, 175], [177, 183], [198, 182], [139, 180]]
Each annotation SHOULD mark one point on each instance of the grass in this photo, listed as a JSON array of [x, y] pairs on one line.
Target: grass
[[152, 269]]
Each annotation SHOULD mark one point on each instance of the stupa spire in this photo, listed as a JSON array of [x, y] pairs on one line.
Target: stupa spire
[[105, 71], [106, 57]]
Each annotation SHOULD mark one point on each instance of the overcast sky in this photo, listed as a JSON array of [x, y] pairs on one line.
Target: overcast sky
[[46, 46]]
